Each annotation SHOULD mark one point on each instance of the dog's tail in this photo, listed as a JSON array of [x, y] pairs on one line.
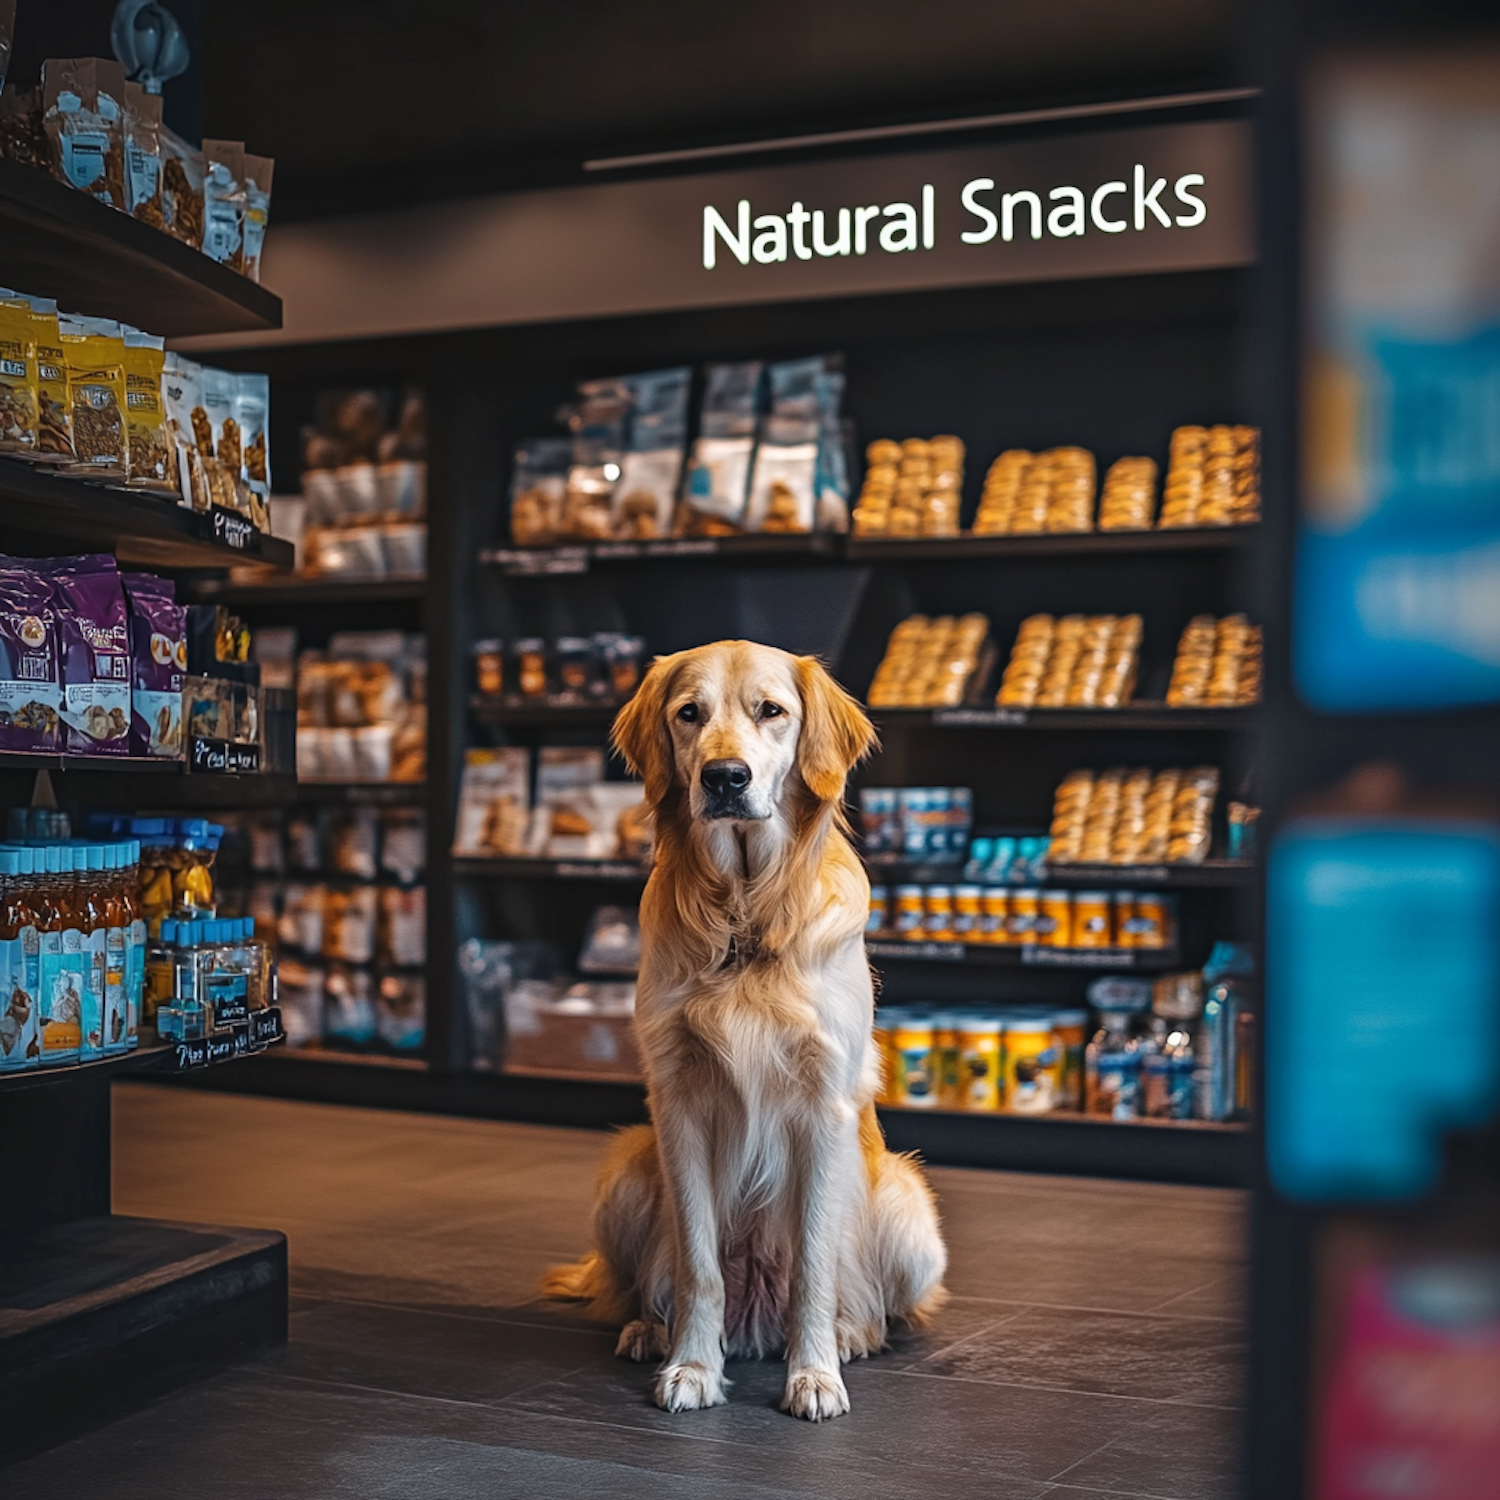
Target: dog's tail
[[586, 1280]]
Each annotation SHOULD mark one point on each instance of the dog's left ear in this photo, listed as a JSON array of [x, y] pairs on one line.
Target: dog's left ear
[[836, 734]]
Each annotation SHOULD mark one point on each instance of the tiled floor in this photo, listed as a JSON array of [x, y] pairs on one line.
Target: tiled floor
[[1093, 1346]]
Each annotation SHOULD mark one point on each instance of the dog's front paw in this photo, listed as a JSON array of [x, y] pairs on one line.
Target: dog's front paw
[[816, 1395], [641, 1340], [689, 1387]]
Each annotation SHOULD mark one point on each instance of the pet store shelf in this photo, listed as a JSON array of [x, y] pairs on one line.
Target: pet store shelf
[[147, 530], [1023, 956], [142, 784], [1188, 1151], [1152, 717], [143, 1059], [613, 871], [971, 548], [579, 558], [58, 242], [368, 793], [1212, 874], [542, 715], [307, 591]]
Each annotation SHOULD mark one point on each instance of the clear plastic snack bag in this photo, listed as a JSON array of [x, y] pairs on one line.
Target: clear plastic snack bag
[[645, 497], [718, 479], [539, 481]]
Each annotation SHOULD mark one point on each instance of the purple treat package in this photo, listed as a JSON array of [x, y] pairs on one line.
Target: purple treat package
[[93, 654], [29, 695], [158, 661]]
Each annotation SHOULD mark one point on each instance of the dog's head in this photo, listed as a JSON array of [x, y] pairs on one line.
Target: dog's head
[[729, 730]]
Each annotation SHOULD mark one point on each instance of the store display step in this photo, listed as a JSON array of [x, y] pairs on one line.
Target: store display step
[[146, 785], [1187, 1151], [94, 259], [100, 1314], [146, 1058], [142, 530], [478, 868], [580, 557]]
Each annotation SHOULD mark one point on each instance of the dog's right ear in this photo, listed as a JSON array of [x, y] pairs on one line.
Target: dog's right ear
[[640, 732]]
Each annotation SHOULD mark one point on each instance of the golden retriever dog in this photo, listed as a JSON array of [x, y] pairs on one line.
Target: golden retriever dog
[[760, 1211]]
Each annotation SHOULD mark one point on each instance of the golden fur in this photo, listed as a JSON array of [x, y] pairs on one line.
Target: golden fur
[[760, 1210]]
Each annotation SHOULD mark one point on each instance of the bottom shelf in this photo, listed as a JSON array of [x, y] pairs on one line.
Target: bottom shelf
[[1079, 1145], [100, 1314]]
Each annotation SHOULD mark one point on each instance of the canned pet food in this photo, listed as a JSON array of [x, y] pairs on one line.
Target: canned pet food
[[937, 914], [994, 915], [967, 913], [911, 1077], [881, 1032], [1124, 905], [880, 909], [1150, 920], [980, 1057], [945, 1055], [1070, 1027], [909, 912], [1031, 1057], [1054, 921], [1091, 919], [1025, 908]]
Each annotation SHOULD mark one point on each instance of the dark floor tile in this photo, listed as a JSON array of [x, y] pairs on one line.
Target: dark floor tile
[[1175, 1453], [900, 1423], [1121, 1354], [429, 1354]]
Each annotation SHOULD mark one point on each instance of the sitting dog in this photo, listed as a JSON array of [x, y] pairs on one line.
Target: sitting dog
[[760, 1210]]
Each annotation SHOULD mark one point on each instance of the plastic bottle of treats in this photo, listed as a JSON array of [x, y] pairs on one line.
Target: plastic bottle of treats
[[1025, 909], [91, 903], [980, 1063], [1112, 1068], [1167, 1076], [1071, 1030], [18, 1015], [187, 1002], [61, 968], [1031, 1065], [29, 862], [1054, 923], [912, 1081], [257, 964], [158, 1001], [116, 946], [135, 942], [223, 982]]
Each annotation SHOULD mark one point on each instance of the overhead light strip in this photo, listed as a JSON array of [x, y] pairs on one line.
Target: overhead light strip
[[924, 127]]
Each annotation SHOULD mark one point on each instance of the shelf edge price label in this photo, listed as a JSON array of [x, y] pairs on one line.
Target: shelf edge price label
[[231, 529]]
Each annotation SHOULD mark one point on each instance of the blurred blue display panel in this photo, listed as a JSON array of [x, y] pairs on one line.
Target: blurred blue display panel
[[1383, 1002], [1397, 592]]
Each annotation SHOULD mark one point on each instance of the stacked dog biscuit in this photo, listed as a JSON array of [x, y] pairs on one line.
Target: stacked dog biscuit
[[1029, 493], [1128, 500], [1213, 477], [1122, 817], [1078, 662], [928, 663], [1218, 663], [914, 488]]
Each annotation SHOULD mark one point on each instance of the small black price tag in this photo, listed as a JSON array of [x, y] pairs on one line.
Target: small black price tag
[[193, 1054], [207, 755], [265, 1026], [244, 760], [220, 1048], [232, 529]]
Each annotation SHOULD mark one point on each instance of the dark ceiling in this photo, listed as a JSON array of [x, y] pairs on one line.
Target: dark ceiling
[[368, 102]]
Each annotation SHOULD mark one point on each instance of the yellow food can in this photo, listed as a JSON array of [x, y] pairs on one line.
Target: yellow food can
[[980, 1063], [1054, 923], [912, 1084], [994, 915], [1091, 919]]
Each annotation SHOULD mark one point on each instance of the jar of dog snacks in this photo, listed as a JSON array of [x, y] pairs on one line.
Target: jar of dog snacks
[[909, 912], [880, 903], [880, 1031], [1054, 923], [937, 914], [980, 1053], [967, 913], [1031, 1065], [1025, 909], [1123, 903], [994, 915], [912, 1082], [1091, 919]]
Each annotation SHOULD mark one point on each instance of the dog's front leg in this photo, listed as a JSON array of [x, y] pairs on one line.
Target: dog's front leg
[[827, 1157], [693, 1375]]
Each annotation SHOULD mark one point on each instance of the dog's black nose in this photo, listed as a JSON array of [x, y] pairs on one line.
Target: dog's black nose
[[725, 778]]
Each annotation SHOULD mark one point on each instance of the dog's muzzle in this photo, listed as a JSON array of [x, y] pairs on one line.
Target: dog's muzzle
[[725, 784]]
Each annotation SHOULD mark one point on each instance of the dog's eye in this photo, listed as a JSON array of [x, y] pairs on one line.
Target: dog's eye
[[771, 711], [688, 713]]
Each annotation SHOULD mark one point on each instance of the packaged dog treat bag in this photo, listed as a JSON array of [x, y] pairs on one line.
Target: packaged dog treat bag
[[18, 411], [651, 469], [54, 401], [158, 663], [143, 155], [93, 654], [257, 183], [223, 200], [30, 700], [719, 471], [83, 116], [152, 462]]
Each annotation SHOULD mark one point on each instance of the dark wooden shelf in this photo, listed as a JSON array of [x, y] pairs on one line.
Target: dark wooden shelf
[[1024, 956], [1212, 874], [1070, 544], [141, 782], [1151, 717], [615, 871], [579, 557], [58, 242], [302, 590], [143, 529], [541, 715], [1190, 1151], [142, 1059], [378, 793]]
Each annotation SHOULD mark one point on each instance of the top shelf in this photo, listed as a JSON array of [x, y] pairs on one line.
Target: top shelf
[[58, 242]]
